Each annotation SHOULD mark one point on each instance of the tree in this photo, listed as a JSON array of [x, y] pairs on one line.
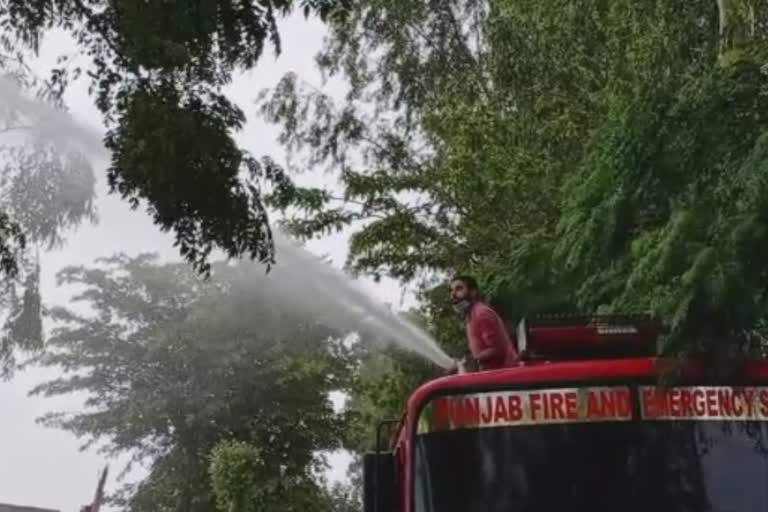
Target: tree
[[179, 369], [459, 127], [575, 156], [243, 482], [157, 70], [46, 189], [741, 21]]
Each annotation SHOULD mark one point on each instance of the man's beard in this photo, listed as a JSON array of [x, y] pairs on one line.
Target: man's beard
[[461, 306]]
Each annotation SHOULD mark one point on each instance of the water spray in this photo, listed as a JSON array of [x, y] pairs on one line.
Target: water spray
[[300, 279], [328, 294]]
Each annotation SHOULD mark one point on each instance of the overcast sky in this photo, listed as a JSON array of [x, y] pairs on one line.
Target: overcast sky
[[43, 467]]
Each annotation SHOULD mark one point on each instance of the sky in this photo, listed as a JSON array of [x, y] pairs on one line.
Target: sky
[[43, 467]]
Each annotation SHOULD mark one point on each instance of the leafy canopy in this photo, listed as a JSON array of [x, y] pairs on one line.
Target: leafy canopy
[[587, 156], [157, 70], [573, 155], [46, 190], [178, 369]]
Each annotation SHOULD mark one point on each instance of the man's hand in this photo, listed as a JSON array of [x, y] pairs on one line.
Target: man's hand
[[487, 354]]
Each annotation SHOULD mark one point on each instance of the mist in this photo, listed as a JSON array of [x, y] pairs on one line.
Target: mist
[[42, 122], [300, 280], [307, 284]]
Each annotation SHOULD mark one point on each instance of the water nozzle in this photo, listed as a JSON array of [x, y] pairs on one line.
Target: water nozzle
[[459, 366]]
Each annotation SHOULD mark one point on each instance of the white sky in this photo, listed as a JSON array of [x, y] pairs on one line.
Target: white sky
[[43, 467]]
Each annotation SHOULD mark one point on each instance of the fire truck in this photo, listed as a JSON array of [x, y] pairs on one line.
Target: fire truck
[[590, 419]]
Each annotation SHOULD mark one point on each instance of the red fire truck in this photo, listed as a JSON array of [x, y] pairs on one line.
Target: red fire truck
[[586, 421]]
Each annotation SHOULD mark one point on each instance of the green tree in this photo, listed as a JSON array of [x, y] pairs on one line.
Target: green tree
[[157, 71], [740, 23], [243, 482], [178, 369], [46, 190], [573, 155]]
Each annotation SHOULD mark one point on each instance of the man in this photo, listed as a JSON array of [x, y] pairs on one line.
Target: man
[[487, 336]]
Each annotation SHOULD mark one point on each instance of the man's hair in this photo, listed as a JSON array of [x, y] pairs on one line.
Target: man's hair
[[469, 281]]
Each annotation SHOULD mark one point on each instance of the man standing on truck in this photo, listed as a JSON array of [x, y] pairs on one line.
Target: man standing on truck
[[489, 342]]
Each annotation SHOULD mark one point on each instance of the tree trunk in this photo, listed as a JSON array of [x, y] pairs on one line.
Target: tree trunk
[[723, 7], [737, 23]]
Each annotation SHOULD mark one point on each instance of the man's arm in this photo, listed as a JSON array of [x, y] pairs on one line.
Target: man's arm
[[487, 354], [488, 329]]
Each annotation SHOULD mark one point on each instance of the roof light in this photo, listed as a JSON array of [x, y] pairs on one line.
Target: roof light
[[587, 337]]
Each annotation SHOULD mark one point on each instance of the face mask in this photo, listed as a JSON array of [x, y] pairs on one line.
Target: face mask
[[461, 307]]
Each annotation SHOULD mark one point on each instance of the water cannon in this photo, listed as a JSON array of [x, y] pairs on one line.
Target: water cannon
[[561, 337], [459, 366]]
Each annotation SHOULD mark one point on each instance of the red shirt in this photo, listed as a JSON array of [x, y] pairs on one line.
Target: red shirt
[[485, 329]]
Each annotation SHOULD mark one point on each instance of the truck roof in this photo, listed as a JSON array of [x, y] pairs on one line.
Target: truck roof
[[562, 372]]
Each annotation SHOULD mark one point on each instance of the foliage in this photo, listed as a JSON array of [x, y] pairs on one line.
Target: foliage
[[573, 155], [671, 222], [346, 498], [242, 482], [236, 472], [157, 70], [578, 155], [46, 189], [379, 394], [173, 365], [463, 162]]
